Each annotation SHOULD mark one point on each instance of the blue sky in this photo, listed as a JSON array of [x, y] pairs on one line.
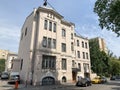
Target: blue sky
[[14, 12]]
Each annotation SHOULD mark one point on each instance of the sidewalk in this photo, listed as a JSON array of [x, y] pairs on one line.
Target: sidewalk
[[45, 87]]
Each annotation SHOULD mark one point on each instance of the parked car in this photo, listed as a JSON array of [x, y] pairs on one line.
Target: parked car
[[117, 77], [112, 77], [103, 79], [14, 77], [4, 75], [96, 80], [84, 82]]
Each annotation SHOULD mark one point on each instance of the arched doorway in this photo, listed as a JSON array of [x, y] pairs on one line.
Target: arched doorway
[[64, 79], [48, 81]]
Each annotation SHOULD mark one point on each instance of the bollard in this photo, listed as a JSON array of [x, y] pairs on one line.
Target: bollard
[[16, 84]]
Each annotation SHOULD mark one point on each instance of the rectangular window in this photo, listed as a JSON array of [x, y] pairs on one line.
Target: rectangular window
[[63, 33], [82, 44], [87, 56], [73, 63], [54, 44], [83, 55], [44, 42], [77, 42], [49, 42], [86, 67], [21, 64], [48, 62], [45, 24], [78, 53], [72, 47], [71, 35], [63, 47], [64, 64], [79, 66], [85, 45], [54, 29], [50, 26]]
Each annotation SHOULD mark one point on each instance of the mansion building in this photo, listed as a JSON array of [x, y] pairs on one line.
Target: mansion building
[[50, 51]]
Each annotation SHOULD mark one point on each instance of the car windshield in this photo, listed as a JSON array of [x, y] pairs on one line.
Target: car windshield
[[14, 77]]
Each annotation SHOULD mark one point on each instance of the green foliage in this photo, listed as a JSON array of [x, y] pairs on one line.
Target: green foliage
[[108, 12], [115, 67], [99, 59], [2, 65]]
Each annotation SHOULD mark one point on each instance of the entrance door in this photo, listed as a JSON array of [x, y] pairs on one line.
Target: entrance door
[[74, 74], [48, 81]]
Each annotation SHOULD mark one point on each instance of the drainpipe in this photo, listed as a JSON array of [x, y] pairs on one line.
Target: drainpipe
[[35, 28]]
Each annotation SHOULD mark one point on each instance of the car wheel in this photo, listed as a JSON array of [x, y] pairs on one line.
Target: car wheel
[[86, 85]]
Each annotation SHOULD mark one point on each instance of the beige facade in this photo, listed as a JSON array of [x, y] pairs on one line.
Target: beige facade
[[9, 61], [101, 44], [3, 54], [50, 51]]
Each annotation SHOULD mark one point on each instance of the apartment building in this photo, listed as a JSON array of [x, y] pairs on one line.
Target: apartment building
[[49, 51], [101, 44], [3, 54]]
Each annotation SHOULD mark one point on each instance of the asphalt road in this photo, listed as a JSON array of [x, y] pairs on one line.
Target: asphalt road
[[111, 85]]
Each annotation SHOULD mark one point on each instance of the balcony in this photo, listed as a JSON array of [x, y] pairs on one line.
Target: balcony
[[74, 69]]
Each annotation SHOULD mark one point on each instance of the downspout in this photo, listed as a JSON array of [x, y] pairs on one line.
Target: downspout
[[35, 27]]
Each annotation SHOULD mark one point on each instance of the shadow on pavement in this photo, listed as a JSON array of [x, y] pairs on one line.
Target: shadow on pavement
[[49, 87]]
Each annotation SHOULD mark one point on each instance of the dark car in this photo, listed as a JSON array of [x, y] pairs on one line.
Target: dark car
[[103, 79], [13, 79], [84, 82], [112, 77], [4, 76]]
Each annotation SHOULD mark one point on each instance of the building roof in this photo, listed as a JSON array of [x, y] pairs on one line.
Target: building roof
[[53, 11], [80, 36]]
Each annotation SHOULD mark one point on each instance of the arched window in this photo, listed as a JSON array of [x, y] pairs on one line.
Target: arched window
[[64, 79]]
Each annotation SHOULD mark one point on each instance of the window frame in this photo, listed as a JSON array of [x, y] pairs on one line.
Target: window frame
[[49, 42], [78, 54], [50, 26], [64, 64], [44, 42], [63, 33], [54, 27], [54, 44], [63, 46]]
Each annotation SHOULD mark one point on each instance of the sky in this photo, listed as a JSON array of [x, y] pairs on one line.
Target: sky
[[14, 12]]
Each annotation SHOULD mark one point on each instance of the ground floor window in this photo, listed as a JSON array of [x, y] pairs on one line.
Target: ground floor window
[[48, 81], [48, 62], [64, 64]]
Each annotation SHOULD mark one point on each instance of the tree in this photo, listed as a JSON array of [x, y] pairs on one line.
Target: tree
[[99, 59], [2, 65], [115, 67], [108, 12]]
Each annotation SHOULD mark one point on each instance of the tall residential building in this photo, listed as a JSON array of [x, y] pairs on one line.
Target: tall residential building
[[49, 51], [101, 44], [3, 54]]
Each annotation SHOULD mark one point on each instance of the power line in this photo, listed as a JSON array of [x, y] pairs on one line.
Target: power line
[[45, 4]]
